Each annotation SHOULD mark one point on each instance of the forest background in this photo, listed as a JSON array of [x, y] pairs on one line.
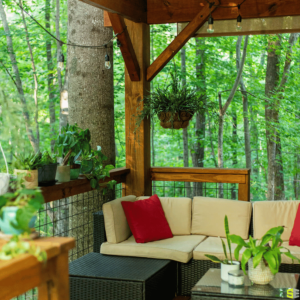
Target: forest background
[[261, 124]]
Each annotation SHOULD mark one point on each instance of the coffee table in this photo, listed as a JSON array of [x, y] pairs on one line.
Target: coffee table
[[211, 286]]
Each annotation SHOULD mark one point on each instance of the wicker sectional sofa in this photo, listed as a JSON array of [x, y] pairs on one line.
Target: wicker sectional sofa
[[197, 226]]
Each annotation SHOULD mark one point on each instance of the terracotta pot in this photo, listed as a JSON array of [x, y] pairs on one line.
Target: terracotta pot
[[180, 120], [30, 177], [261, 274]]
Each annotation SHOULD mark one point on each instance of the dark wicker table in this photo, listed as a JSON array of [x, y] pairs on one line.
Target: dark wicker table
[[210, 287], [101, 277]]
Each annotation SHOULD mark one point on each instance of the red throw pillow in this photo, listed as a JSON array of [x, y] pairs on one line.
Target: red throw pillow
[[295, 236], [147, 220]]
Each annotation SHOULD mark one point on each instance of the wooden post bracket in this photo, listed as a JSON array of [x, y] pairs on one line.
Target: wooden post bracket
[[126, 48], [182, 38]]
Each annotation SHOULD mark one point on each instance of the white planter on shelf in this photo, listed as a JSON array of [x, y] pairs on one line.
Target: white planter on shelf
[[4, 183], [30, 177], [228, 268], [63, 174], [261, 274]]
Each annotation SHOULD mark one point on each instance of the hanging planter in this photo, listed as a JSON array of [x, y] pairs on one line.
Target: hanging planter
[[174, 105]]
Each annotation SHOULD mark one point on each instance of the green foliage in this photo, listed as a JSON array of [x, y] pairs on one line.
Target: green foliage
[[98, 171], [74, 140], [47, 159], [16, 247], [263, 251], [31, 161], [226, 261], [28, 202]]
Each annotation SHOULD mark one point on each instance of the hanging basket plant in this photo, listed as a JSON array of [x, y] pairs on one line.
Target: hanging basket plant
[[174, 105]]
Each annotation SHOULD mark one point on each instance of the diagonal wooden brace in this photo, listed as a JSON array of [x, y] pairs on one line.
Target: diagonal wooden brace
[[188, 32], [126, 48]]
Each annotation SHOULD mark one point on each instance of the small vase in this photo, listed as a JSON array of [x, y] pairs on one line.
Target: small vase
[[63, 174], [75, 171], [30, 178], [9, 215], [228, 268], [261, 274]]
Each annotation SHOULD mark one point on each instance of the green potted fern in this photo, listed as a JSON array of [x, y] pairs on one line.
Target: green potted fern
[[227, 265], [263, 257]]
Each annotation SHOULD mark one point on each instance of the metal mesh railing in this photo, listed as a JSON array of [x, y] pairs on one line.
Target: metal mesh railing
[[72, 217], [192, 189]]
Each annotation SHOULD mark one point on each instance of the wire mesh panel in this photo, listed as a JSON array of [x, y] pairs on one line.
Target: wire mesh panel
[[192, 189], [72, 217]]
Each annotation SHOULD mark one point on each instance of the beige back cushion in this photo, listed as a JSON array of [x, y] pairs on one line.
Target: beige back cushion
[[178, 212], [209, 214], [269, 214], [116, 226]]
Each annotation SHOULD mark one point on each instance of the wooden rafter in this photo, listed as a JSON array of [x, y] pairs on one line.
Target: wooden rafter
[[135, 10], [126, 48], [176, 11], [188, 32]]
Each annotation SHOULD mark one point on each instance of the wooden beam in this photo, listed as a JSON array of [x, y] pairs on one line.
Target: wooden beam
[[126, 48], [107, 22], [244, 190], [138, 182], [135, 10], [188, 32], [250, 27], [200, 170], [176, 11]]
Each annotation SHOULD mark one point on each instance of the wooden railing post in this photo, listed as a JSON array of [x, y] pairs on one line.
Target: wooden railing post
[[244, 189]]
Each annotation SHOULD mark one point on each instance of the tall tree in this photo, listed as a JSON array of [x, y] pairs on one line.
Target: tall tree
[[199, 145], [17, 79], [91, 96], [223, 108], [185, 134]]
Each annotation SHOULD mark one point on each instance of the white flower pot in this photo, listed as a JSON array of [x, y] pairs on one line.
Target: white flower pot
[[261, 274], [30, 178], [228, 268], [4, 183], [63, 174]]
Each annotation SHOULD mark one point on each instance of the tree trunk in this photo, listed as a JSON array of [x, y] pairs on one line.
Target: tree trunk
[[50, 68], [234, 146], [187, 185], [91, 102], [36, 86], [198, 147], [17, 79]]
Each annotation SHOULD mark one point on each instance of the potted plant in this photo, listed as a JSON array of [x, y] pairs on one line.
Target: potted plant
[[263, 259], [227, 264], [174, 105], [26, 165], [18, 210], [94, 162], [4, 177], [47, 169], [71, 143]]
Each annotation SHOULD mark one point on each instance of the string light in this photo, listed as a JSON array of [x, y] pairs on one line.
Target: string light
[[107, 62], [60, 63], [119, 43], [210, 28]]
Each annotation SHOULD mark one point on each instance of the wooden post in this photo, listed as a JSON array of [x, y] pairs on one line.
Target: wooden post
[[244, 189], [138, 181]]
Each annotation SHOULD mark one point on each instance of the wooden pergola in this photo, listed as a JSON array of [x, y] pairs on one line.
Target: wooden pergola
[[131, 18]]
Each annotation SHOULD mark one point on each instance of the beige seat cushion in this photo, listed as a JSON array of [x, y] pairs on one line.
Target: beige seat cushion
[[213, 246], [269, 214], [294, 250], [178, 212], [178, 248], [209, 213], [116, 226]]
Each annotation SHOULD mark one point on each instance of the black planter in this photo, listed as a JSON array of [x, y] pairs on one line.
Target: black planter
[[46, 174]]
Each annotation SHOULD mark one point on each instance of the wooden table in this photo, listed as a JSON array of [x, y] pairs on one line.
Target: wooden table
[[25, 272]]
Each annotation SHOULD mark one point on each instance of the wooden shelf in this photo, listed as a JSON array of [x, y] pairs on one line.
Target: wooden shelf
[[81, 185]]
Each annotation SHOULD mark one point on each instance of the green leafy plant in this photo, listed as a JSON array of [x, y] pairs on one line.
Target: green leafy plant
[[174, 98], [227, 260], [31, 161], [28, 203], [72, 142], [16, 247], [98, 171], [269, 254], [46, 158]]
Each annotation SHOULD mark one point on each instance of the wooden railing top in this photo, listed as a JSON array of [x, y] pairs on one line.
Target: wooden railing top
[[81, 185], [200, 170]]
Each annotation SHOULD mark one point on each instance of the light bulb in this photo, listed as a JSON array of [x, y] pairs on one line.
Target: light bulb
[[239, 23], [107, 62], [60, 63], [210, 28]]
